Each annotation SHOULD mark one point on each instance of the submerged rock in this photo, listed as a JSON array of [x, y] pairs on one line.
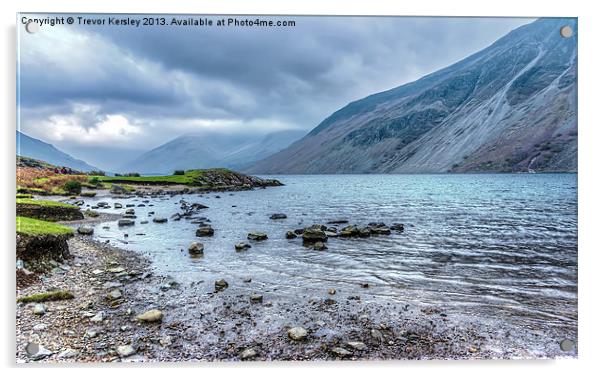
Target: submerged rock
[[278, 216], [319, 246], [160, 220], [257, 236], [196, 248]]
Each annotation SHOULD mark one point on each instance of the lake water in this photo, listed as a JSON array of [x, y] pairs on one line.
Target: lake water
[[501, 246]]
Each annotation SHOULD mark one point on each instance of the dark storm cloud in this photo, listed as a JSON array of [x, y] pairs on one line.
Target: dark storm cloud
[[141, 86]]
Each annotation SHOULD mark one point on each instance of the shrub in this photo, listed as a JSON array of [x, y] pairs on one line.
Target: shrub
[[179, 172], [73, 187], [94, 180], [132, 174]]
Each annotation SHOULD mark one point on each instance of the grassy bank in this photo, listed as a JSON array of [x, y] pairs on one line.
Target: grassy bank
[[35, 227], [45, 203], [190, 177]]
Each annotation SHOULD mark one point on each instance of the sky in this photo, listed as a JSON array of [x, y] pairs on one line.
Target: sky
[[108, 93]]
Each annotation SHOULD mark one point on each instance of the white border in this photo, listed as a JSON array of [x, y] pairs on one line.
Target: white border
[[590, 97]]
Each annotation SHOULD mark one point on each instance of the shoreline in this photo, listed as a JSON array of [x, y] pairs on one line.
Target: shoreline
[[228, 325]]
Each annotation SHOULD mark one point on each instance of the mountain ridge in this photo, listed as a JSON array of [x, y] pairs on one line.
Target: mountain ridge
[[510, 107]]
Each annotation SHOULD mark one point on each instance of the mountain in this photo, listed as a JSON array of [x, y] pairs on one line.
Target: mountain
[[32, 147], [211, 149], [510, 107]]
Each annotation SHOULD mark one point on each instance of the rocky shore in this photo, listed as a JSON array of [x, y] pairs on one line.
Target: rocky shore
[[106, 304]]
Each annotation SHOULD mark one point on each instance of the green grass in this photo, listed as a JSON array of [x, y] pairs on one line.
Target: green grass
[[46, 296], [188, 178], [24, 195], [29, 201], [31, 190], [30, 226]]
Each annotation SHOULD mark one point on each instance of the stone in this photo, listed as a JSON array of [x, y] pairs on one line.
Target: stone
[[39, 309], [319, 246], [125, 351], [91, 333], [242, 246], [85, 230], [36, 351], [332, 291], [39, 327], [196, 248], [118, 269], [166, 341], [154, 315], [111, 285], [205, 231], [397, 227], [341, 352], [278, 216], [299, 231], [297, 333], [114, 295], [256, 298], [290, 235], [143, 222], [160, 220], [249, 353], [356, 345], [314, 234], [98, 317], [257, 236], [220, 285], [130, 211], [68, 353], [117, 205], [125, 222], [247, 280], [349, 231], [364, 232], [337, 222]]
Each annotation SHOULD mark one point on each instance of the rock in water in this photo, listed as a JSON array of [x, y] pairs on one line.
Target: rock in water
[[256, 298], [220, 285], [125, 350], [257, 236], [125, 222], [160, 220], [332, 291], [196, 248], [205, 231], [242, 246], [397, 227], [290, 235], [319, 246], [117, 205], [85, 230], [297, 333], [314, 234], [278, 216], [349, 231], [154, 315]]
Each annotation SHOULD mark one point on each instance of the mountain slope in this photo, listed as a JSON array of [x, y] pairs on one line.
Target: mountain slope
[[205, 150], [32, 147], [509, 107]]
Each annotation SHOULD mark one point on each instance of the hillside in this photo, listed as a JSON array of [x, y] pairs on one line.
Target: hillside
[[510, 107]]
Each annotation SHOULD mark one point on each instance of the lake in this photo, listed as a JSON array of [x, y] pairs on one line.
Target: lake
[[498, 246]]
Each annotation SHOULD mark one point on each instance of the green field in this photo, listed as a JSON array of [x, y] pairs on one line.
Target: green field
[[47, 203], [30, 226], [190, 177]]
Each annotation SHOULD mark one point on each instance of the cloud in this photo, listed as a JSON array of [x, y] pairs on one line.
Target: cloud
[[140, 87]]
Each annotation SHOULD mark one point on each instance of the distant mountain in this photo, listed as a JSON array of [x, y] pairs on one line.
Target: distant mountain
[[210, 149], [32, 147], [510, 107]]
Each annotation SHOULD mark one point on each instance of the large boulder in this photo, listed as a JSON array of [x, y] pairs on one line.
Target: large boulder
[[196, 248], [314, 234], [257, 236]]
